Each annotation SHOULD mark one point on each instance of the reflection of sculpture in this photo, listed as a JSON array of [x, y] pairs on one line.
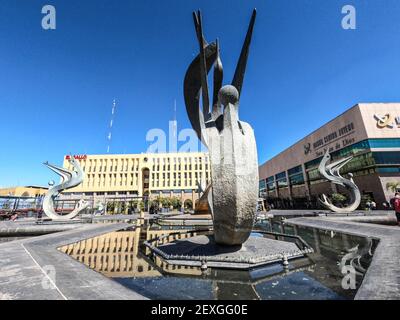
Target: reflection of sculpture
[[353, 257], [331, 172], [70, 179], [231, 142]]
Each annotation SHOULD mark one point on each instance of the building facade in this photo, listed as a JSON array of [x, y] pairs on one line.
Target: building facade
[[369, 132], [24, 191], [130, 175]]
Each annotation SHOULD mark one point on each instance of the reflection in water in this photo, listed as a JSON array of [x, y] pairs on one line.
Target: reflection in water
[[122, 256], [117, 254]]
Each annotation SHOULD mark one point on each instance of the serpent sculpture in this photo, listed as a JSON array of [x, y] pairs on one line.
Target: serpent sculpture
[[332, 173], [69, 179], [230, 142]]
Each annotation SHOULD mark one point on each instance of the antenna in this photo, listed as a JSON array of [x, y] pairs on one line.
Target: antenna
[[109, 137], [175, 124]]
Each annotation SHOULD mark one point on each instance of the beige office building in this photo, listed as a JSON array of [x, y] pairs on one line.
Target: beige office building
[[124, 175], [24, 191], [369, 131]]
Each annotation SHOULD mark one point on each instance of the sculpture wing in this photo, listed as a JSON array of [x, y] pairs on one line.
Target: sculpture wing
[[193, 83], [237, 81]]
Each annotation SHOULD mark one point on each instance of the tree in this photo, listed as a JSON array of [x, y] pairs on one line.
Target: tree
[[110, 207], [188, 204], [141, 205], [175, 202], [393, 186], [338, 199]]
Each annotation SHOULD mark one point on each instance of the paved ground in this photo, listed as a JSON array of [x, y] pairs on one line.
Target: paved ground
[[27, 265], [382, 280], [34, 269]]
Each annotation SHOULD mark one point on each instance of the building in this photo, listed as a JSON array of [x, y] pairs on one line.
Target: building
[[117, 254], [137, 175], [370, 132], [24, 191]]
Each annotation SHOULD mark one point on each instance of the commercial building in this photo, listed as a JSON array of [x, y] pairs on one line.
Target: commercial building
[[120, 176], [370, 132]]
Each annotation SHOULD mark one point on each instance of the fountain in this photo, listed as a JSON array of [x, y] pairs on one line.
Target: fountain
[[232, 195]]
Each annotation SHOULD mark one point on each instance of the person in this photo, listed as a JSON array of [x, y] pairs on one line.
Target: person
[[385, 205], [40, 216], [396, 205], [373, 205]]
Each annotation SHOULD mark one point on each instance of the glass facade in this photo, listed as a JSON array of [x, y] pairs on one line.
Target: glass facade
[[391, 157], [281, 180], [364, 162], [296, 176], [270, 184]]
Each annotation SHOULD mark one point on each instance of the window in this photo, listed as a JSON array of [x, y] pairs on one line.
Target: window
[[296, 179], [295, 170], [391, 157], [389, 170], [384, 143], [262, 184], [270, 183], [281, 180]]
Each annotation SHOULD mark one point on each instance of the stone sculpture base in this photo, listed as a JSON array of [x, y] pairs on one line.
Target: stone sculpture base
[[201, 250]]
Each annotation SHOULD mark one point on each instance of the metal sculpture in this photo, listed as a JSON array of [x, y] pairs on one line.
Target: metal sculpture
[[231, 142], [69, 179], [332, 173]]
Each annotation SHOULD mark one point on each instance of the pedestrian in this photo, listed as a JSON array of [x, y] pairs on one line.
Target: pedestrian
[[373, 205], [368, 205], [396, 205]]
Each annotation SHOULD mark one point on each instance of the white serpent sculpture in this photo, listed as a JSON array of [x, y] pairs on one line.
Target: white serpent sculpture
[[69, 179], [332, 173]]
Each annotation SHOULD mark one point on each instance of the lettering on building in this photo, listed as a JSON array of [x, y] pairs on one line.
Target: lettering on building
[[332, 137], [77, 157]]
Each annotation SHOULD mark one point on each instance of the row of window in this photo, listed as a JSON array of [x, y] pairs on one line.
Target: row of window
[[89, 169], [384, 162], [118, 165], [168, 179], [179, 167], [357, 148]]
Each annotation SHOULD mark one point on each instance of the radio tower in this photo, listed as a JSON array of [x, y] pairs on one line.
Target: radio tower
[[113, 109]]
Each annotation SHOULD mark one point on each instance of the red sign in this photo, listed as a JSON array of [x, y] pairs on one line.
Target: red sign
[[77, 157]]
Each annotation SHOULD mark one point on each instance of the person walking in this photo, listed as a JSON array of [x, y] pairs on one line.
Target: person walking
[[396, 206]]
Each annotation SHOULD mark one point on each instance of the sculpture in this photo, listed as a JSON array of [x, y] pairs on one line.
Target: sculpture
[[332, 173], [70, 179], [231, 142]]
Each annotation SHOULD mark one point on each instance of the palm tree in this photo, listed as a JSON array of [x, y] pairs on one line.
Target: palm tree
[[393, 186]]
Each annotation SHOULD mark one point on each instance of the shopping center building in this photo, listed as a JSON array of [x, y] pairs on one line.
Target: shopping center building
[[370, 132], [122, 176]]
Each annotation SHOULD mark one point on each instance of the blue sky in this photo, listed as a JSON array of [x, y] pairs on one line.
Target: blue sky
[[57, 86]]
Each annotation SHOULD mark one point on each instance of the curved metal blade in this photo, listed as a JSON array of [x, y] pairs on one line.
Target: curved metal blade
[[237, 81]]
